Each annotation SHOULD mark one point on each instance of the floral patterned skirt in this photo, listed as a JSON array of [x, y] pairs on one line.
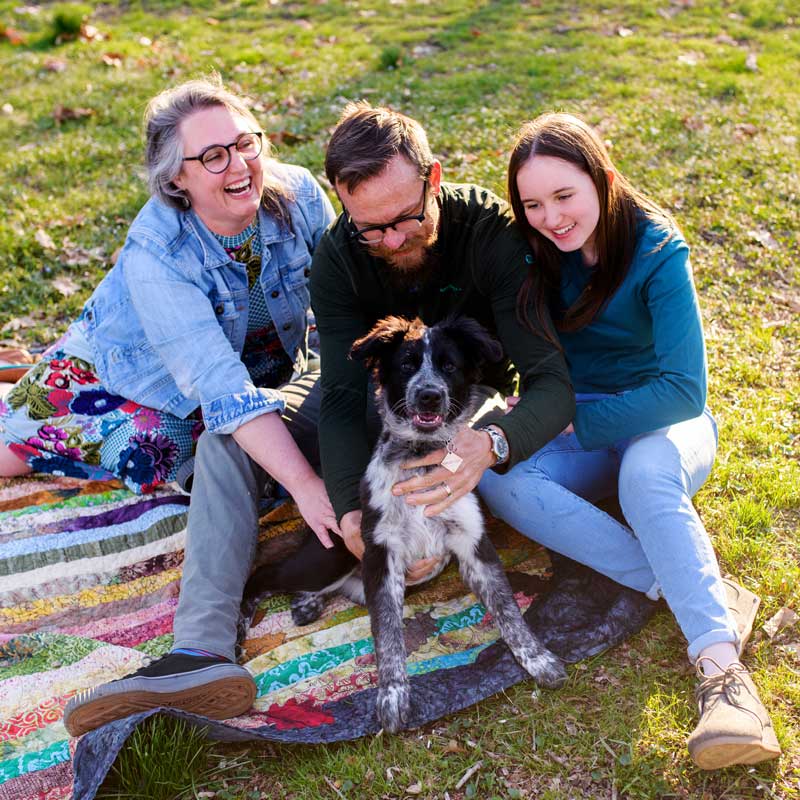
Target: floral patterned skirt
[[59, 419]]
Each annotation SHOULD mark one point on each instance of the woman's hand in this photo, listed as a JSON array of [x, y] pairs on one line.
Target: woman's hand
[[267, 440], [440, 488], [316, 509]]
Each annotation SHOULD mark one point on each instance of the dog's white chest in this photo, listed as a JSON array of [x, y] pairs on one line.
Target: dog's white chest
[[405, 530]]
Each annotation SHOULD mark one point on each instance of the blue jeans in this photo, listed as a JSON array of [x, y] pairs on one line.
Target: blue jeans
[[665, 551]]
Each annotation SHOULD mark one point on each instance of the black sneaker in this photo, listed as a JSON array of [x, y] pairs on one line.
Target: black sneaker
[[210, 687]]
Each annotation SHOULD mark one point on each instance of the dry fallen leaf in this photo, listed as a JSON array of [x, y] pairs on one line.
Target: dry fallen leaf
[[14, 36], [695, 124], [624, 32], [90, 34], [17, 323], [65, 286], [415, 788], [690, 59], [44, 240], [112, 59], [744, 129], [453, 746], [286, 137], [787, 301], [63, 113], [751, 62], [782, 619], [75, 256], [54, 64], [764, 238]]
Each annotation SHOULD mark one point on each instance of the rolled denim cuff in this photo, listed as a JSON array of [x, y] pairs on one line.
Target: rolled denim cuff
[[227, 414]]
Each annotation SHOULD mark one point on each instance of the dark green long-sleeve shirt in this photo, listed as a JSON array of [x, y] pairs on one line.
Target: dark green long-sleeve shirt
[[481, 261]]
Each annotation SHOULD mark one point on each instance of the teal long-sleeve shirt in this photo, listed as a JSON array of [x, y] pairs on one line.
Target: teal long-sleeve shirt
[[646, 346]]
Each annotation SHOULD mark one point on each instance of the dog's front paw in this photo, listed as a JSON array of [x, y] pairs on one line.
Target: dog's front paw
[[393, 706], [547, 669], [307, 607]]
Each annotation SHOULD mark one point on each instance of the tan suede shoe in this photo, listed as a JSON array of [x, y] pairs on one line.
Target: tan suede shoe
[[734, 726]]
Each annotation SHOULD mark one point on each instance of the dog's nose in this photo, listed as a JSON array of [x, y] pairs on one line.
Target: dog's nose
[[429, 399]]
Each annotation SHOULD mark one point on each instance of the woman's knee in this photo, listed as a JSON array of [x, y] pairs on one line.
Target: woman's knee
[[518, 486]]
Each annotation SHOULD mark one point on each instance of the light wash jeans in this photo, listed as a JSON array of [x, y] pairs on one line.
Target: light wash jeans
[[665, 551]]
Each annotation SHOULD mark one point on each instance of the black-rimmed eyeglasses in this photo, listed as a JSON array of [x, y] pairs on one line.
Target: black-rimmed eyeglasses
[[217, 157], [374, 234]]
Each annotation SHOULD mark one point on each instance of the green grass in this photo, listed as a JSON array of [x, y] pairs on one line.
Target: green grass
[[688, 119]]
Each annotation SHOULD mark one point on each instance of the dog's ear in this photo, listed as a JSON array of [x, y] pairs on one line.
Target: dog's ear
[[477, 344], [385, 335]]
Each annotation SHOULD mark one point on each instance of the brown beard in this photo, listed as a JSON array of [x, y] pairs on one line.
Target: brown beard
[[417, 256], [405, 280]]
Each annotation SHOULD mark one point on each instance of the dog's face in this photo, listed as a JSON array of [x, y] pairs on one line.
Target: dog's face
[[425, 375]]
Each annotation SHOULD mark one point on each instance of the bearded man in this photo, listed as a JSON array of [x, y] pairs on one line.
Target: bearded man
[[409, 244]]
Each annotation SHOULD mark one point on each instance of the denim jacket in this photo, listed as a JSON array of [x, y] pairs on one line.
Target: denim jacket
[[167, 324]]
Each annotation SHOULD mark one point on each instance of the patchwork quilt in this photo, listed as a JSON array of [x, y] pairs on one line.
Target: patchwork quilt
[[89, 580]]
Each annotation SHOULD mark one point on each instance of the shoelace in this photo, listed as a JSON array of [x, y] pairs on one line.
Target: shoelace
[[729, 683]]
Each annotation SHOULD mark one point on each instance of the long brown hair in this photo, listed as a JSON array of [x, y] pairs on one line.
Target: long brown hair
[[569, 138]]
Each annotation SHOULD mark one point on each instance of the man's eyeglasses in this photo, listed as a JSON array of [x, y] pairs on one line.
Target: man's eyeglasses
[[217, 157], [374, 234]]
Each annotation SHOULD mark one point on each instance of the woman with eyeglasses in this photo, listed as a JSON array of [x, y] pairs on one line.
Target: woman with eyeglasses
[[196, 326]]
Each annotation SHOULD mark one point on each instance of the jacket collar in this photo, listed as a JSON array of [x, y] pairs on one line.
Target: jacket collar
[[214, 255]]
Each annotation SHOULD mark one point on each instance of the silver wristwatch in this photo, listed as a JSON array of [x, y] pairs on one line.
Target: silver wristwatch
[[499, 443]]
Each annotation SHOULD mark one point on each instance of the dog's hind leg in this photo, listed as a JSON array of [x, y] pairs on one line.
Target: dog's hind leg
[[483, 573], [384, 586], [312, 570]]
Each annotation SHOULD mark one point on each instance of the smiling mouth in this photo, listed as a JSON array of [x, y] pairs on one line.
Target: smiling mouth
[[242, 187], [564, 231], [426, 422]]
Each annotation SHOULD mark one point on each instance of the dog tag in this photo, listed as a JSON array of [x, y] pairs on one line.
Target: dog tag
[[452, 462]]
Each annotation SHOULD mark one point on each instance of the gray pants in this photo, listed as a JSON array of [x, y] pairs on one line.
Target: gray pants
[[222, 530]]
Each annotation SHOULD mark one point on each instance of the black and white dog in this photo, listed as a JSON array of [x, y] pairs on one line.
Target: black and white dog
[[425, 378]]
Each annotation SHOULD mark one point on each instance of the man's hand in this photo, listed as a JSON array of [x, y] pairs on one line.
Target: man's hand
[[439, 488], [351, 533], [350, 526]]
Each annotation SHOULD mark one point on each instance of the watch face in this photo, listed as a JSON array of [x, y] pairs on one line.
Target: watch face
[[499, 444]]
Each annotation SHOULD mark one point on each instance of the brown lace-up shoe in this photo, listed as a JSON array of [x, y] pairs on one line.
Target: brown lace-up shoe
[[734, 726]]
